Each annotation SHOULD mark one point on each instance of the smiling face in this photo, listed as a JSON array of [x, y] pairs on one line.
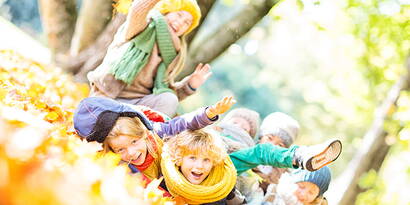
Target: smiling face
[[196, 168], [132, 149], [306, 192], [179, 21]]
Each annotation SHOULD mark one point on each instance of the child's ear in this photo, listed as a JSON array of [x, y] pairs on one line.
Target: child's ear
[[178, 163]]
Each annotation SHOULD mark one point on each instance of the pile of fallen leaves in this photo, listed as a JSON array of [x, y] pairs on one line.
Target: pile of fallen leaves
[[42, 161]]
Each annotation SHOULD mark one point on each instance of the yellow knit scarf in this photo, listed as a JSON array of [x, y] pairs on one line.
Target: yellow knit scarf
[[219, 183], [153, 171]]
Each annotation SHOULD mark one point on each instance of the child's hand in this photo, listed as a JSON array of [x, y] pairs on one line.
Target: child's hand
[[200, 75], [220, 107]]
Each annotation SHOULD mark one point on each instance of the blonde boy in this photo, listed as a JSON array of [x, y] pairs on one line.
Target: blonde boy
[[197, 168]]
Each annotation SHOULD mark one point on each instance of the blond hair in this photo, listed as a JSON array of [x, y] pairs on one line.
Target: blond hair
[[133, 127], [178, 66], [198, 142]]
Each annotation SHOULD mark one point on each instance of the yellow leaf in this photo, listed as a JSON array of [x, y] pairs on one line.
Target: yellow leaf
[[35, 90], [3, 93], [40, 105], [122, 6], [51, 117], [96, 188]]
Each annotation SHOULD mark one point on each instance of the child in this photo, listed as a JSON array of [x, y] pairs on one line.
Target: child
[[197, 169], [278, 129], [238, 128], [145, 56], [303, 187], [126, 131]]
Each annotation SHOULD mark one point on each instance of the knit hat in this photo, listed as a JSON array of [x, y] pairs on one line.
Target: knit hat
[[190, 6], [96, 116], [276, 123], [235, 139], [319, 177], [250, 116]]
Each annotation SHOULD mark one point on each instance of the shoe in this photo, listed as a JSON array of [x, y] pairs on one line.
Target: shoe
[[315, 157]]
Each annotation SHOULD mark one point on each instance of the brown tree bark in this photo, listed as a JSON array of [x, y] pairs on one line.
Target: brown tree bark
[[372, 152], [215, 44], [205, 6], [58, 18], [94, 54], [92, 19]]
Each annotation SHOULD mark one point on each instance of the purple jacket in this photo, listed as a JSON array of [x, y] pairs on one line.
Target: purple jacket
[[190, 121], [95, 117]]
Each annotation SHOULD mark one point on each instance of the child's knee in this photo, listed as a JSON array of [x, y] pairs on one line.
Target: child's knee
[[168, 102]]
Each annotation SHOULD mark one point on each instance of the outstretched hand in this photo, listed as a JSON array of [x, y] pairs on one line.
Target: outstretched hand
[[220, 107], [200, 75]]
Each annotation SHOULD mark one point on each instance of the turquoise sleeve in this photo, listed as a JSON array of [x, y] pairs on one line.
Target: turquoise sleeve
[[262, 154]]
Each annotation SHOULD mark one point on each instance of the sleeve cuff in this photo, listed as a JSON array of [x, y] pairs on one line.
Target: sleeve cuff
[[190, 87], [211, 119]]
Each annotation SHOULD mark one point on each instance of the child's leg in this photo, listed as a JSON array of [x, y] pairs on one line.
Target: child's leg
[[265, 154], [166, 103], [306, 157]]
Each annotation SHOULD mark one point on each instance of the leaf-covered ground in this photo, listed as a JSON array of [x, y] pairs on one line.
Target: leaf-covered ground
[[42, 161]]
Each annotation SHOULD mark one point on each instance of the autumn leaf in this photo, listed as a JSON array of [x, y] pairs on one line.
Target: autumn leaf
[[51, 117], [41, 152], [122, 6]]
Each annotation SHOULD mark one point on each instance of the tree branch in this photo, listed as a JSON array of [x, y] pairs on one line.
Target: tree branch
[[96, 51], [344, 190], [205, 6], [58, 18], [93, 18], [227, 34]]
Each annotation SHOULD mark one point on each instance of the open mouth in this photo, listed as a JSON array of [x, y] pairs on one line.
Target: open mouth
[[196, 175]]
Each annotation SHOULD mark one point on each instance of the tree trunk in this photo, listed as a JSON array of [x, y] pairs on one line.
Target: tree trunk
[[93, 18], [215, 44], [372, 152], [58, 18], [205, 6], [92, 55]]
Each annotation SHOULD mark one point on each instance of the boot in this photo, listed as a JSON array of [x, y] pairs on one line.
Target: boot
[[317, 156]]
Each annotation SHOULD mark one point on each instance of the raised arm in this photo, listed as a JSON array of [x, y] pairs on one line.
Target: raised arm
[[190, 121], [137, 17], [194, 120], [191, 83]]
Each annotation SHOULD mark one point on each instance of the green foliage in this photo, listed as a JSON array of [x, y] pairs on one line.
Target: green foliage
[[372, 183], [300, 4], [385, 32], [386, 38]]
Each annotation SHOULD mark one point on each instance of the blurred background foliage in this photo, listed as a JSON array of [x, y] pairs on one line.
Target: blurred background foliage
[[329, 64]]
